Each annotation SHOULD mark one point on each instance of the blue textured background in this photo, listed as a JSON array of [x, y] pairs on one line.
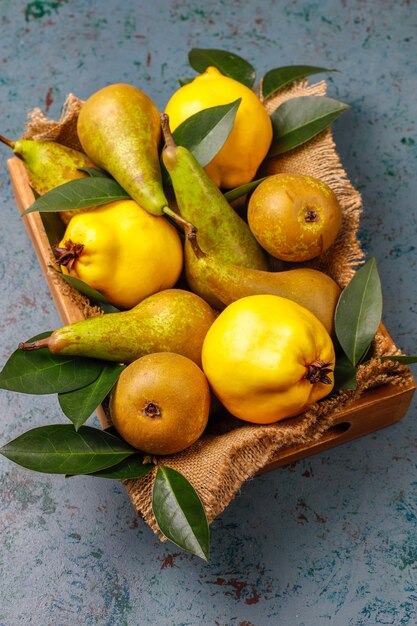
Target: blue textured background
[[330, 540]]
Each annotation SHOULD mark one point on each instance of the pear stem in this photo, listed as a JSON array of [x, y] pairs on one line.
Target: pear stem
[[7, 142], [166, 131], [177, 218], [34, 345]]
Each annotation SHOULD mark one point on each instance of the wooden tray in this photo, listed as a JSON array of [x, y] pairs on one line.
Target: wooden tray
[[376, 408]]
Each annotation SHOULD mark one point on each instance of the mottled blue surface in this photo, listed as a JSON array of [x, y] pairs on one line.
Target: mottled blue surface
[[331, 540]]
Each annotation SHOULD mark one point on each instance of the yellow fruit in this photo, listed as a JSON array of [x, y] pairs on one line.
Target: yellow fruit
[[268, 358], [248, 143], [294, 218], [160, 403], [122, 251]]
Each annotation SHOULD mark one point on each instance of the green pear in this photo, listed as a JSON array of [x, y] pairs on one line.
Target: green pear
[[48, 163], [119, 128], [173, 320], [224, 233], [310, 288]]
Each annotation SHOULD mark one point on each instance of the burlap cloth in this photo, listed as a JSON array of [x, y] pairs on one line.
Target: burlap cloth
[[231, 451]]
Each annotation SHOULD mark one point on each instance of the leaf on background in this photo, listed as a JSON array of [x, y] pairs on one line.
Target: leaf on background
[[279, 77], [299, 119], [205, 132], [82, 287], [79, 404], [132, 467], [227, 63], [80, 193], [238, 192], [41, 372], [60, 449], [344, 373], [358, 312], [179, 512]]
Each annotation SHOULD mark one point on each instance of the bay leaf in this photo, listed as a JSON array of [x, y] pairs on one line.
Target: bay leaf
[[358, 312], [280, 77], [132, 467], [300, 119], [60, 449], [407, 359], [41, 372], [81, 286], [179, 512], [80, 193], [227, 63], [95, 172], [238, 192], [79, 404], [185, 80], [205, 132], [344, 373]]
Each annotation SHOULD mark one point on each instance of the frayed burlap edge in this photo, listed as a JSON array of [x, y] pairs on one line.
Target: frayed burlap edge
[[218, 464]]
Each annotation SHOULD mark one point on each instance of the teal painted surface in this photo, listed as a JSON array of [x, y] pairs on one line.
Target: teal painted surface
[[331, 540]]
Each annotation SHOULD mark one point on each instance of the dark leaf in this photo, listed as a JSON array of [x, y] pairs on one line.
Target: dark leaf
[[185, 81], [79, 404], [238, 192], [80, 193], [344, 373], [299, 119], [358, 312], [132, 467], [95, 172], [41, 372], [60, 449], [81, 286], [179, 512], [407, 359], [227, 63], [205, 132], [281, 76], [54, 227]]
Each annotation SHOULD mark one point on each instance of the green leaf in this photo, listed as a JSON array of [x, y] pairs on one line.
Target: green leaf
[[132, 467], [54, 227], [205, 132], [344, 373], [299, 119], [95, 172], [41, 372], [407, 359], [79, 404], [185, 80], [179, 512], [227, 63], [279, 77], [80, 193], [238, 192], [358, 312], [81, 286], [60, 449]]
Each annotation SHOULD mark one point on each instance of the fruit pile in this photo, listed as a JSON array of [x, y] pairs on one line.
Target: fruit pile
[[168, 223]]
